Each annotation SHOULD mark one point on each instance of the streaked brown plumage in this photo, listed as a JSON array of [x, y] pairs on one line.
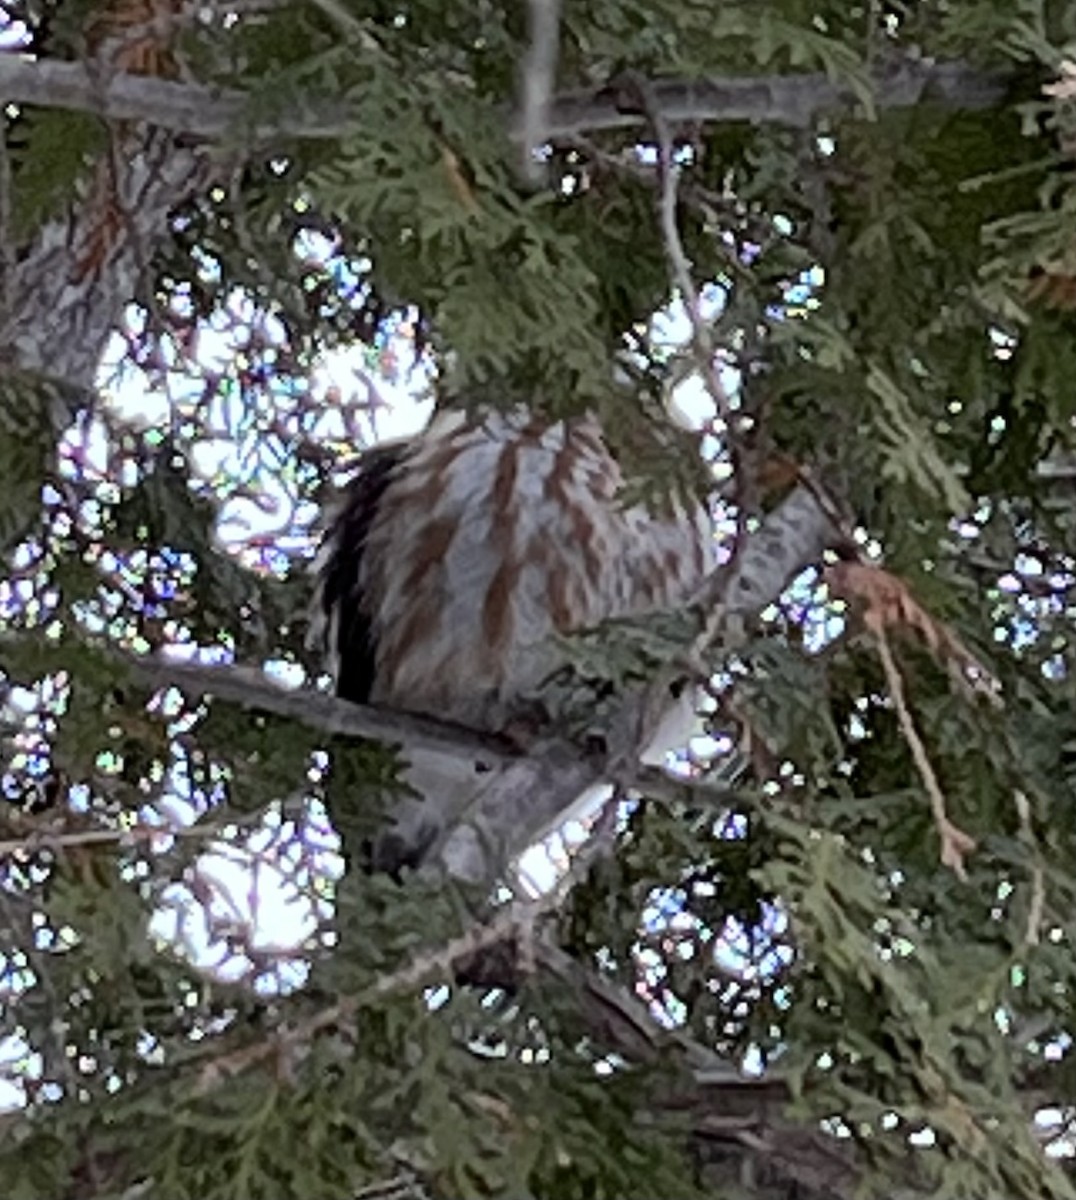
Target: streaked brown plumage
[[457, 555]]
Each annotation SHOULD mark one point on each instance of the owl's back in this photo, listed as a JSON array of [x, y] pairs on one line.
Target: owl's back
[[455, 558]]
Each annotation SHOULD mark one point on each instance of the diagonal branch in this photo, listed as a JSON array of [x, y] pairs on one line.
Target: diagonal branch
[[251, 688]]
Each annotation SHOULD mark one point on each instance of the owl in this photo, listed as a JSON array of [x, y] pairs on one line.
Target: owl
[[457, 557]]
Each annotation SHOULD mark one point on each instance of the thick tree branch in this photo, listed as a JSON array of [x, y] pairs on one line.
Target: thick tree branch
[[793, 100], [191, 108], [252, 688]]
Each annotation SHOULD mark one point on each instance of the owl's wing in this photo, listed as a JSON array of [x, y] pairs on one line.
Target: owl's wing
[[344, 621]]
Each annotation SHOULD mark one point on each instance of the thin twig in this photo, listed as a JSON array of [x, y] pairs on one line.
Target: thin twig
[[7, 235], [704, 352], [702, 341], [45, 839], [701, 337], [955, 843], [1037, 905], [514, 920]]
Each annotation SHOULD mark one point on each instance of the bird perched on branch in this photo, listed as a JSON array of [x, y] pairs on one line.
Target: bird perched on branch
[[457, 556]]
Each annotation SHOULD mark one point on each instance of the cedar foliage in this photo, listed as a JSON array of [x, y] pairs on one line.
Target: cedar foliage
[[904, 327]]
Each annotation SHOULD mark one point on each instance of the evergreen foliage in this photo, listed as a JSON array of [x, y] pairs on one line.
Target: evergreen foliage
[[897, 293]]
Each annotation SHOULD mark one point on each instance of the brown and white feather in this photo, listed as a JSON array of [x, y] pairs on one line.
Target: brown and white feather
[[489, 535]]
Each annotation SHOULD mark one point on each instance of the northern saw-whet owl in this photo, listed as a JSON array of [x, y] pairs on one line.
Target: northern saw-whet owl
[[457, 556]]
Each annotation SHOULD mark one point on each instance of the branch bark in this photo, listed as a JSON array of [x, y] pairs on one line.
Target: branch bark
[[539, 73], [67, 291], [791, 100], [250, 687], [191, 108]]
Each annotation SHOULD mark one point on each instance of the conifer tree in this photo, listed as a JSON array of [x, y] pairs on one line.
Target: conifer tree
[[830, 953]]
